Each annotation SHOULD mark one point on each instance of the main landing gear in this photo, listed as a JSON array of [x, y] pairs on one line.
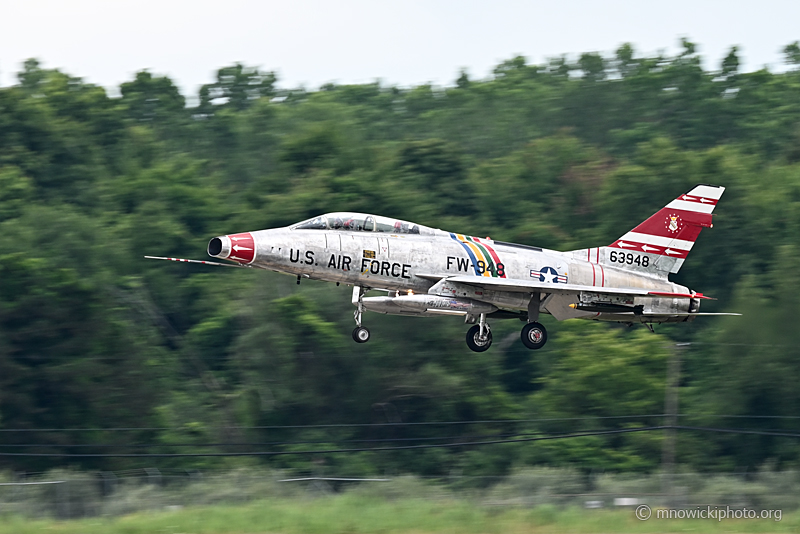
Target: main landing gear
[[360, 333], [479, 337], [534, 335]]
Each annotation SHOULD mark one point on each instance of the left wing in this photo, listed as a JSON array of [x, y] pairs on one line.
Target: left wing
[[564, 301], [530, 286]]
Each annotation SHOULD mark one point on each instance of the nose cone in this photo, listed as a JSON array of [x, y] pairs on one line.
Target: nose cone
[[236, 247]]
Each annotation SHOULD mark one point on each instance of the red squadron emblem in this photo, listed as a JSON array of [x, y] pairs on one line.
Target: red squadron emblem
[[673, 223]]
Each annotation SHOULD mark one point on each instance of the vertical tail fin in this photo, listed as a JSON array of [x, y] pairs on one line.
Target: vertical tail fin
[[670, 234], [660, 244]]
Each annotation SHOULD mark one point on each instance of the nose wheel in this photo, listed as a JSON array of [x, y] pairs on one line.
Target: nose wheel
[[360, 334], [534, 336], [476, 342], [479, 337]]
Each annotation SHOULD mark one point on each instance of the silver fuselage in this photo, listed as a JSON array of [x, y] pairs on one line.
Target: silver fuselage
[[410, 263]]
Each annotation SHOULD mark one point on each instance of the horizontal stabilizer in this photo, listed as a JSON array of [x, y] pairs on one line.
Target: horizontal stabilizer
[[680, 295], [683, 314]]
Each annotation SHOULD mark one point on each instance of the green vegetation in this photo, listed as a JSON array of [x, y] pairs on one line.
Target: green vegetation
[[564, 155], [347, 513]]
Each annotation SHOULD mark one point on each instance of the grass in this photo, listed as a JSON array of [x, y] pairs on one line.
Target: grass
[[348, 514]]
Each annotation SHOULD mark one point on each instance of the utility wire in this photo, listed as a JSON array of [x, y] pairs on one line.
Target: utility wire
[[335, 425], [767, 431], [303, 442], [331, 451], [740, 431], [424, 423], [402, 447]]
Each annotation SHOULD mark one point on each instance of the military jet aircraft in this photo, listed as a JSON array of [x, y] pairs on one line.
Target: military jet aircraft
[[429, 272]]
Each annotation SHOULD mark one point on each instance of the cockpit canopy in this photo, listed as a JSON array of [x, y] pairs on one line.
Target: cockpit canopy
[[361, 222]]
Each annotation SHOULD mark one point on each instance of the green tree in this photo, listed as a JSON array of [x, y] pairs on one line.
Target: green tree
[[88, 184], [751, 369], [593, 66], [792, 53], [237, 87], [730, 65], [70, 357], [607, 374], [149, 98]]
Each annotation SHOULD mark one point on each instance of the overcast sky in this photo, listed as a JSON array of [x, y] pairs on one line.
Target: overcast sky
[[312, 42]]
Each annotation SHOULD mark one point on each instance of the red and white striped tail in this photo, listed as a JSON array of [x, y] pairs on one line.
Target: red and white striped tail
[[669, 235]]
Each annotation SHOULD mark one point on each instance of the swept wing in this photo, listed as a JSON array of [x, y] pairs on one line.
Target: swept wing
[[530, 286]]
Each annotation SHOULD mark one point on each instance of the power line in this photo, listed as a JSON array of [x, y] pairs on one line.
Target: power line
[[336, 425], [766, 432], [256, 444], [742, 416], [740, 431], [402, 447], [331, 451], [411, 424]]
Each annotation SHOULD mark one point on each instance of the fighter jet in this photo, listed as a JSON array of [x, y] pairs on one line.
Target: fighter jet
[[427, 272]]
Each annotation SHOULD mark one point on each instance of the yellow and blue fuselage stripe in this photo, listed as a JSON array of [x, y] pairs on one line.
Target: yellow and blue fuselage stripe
[[478, 252]]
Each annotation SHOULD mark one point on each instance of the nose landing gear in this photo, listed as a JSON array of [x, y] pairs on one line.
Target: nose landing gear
[[360, 333], [479, 337]]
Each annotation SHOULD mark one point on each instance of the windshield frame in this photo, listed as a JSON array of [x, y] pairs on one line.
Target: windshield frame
[[342, 221]]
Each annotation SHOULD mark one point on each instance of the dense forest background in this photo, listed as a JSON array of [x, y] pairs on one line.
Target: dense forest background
[[564, 155]]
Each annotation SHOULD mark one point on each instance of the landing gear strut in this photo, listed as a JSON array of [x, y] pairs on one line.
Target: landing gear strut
[[360, 333], [479, 337]]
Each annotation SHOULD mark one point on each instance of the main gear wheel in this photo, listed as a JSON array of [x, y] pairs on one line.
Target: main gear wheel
[[534, 335]]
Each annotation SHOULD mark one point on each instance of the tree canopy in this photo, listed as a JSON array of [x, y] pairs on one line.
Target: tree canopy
[[567, 154]]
